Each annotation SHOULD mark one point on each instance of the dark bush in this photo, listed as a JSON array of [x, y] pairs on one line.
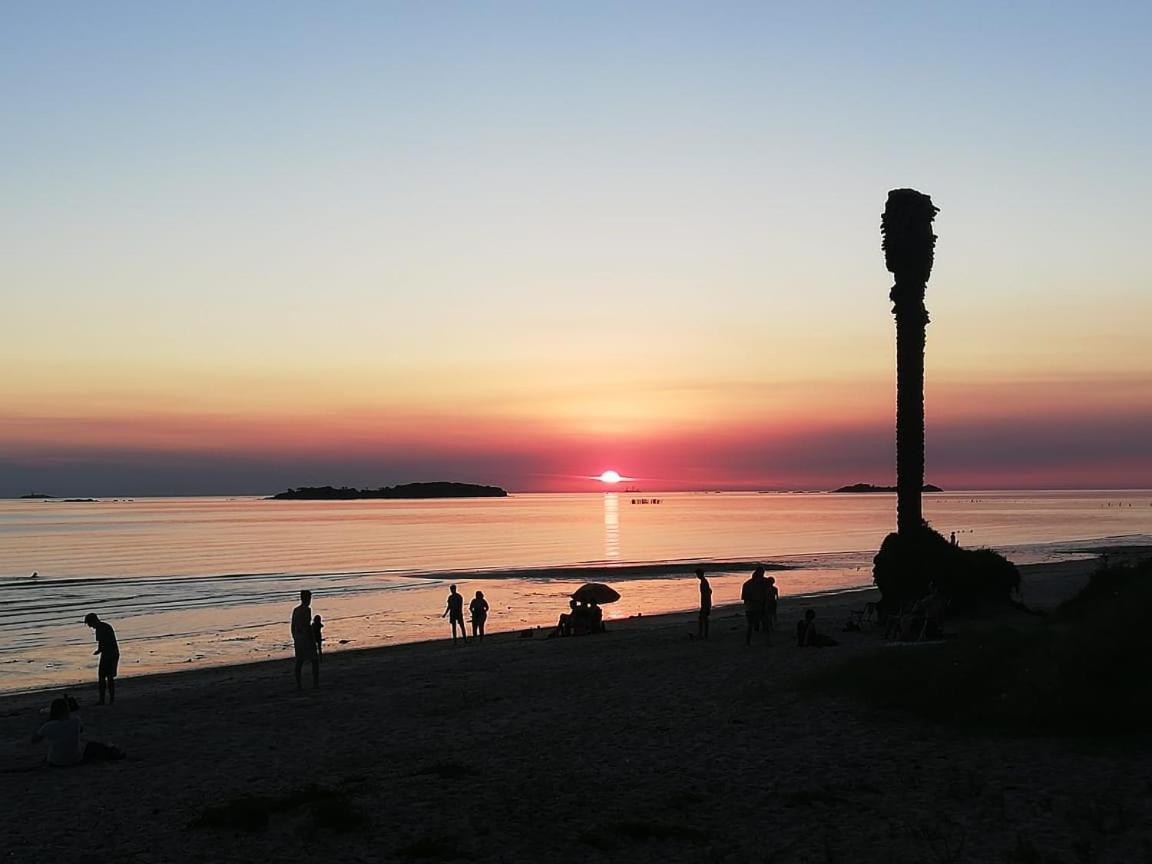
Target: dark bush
[[905, 568], [1085, 669]]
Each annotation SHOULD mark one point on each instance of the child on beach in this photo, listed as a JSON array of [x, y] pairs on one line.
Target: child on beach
[[771, 606], [705, 604], [318, 635]]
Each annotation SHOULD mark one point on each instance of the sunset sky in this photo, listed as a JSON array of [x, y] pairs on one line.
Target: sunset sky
[[256, 245]]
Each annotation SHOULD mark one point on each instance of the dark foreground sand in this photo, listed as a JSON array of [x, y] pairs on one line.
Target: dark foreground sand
[[638, 745]]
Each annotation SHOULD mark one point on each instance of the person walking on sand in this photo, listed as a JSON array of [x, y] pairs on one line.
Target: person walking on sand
[[705, 604], [454, 611], [109, 651], [754, 593], [479, 609], [303, 639]]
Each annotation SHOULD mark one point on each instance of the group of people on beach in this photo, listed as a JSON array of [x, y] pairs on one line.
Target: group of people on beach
[[760, 597], [761, 600], [582, 617], [64, 731]]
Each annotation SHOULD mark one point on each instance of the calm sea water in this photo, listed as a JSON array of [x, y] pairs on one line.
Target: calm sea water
[[195, 581]]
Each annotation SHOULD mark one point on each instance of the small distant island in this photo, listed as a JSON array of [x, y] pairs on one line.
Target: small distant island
[[37, 495], [868, 487], [403, 490]]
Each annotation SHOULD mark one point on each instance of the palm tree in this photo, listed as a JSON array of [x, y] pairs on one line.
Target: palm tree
[[909, 244]]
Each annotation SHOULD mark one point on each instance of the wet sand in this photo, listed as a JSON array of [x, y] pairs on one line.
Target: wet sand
[[639, 744]]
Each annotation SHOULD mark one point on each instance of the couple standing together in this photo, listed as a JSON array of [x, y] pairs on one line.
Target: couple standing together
[[760, 598], [454, 612]]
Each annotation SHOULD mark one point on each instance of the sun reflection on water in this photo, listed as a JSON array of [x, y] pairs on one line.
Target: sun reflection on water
[[611, 526]]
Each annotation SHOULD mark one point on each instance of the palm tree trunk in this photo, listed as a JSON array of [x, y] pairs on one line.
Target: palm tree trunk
[[911, 323], [909, 249]]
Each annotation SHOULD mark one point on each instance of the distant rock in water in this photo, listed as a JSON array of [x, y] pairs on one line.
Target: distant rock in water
[[38, 495], [404, 490], [868, 487]]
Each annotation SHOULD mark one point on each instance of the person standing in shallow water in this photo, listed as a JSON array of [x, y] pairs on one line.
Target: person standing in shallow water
[[705, 604], [303, 640], [454, 611], [479, 609], [109, 651]]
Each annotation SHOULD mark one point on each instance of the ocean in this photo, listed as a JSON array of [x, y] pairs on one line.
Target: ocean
[[189, 582]]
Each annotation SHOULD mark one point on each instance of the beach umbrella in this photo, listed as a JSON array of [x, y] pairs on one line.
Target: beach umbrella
[[594, 592]]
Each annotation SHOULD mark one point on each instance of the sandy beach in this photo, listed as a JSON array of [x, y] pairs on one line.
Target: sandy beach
[[640, 744]]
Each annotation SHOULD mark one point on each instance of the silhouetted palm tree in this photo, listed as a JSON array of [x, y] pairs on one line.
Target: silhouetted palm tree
[[909, 245]]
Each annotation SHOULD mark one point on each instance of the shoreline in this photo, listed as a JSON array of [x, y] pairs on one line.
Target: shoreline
[[200, 633], [656, 619], [1057, 581]]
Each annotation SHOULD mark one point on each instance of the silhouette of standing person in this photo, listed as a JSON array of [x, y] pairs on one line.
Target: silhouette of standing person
[[705, 604], [109, 651], [455, 613], [318, 635], [771, 605], [303, 640], [754, 593], [479, 609]]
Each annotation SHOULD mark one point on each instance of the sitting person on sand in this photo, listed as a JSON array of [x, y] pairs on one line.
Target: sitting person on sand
[[581, 619], [564, 625], [595, 618], [64, 731], [807, 636]]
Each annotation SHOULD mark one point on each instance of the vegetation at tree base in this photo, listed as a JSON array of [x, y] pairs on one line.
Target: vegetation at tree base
[[868, 487], [915, 557], [1084, 669], [907, 565], [404, 490]]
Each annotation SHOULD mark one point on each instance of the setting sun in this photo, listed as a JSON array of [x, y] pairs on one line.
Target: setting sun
[[610, 477]]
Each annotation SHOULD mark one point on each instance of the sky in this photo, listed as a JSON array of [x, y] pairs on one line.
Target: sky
[[251, 246]]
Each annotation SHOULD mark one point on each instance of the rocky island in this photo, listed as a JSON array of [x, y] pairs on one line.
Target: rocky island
[[868, 487], [401, 491]]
